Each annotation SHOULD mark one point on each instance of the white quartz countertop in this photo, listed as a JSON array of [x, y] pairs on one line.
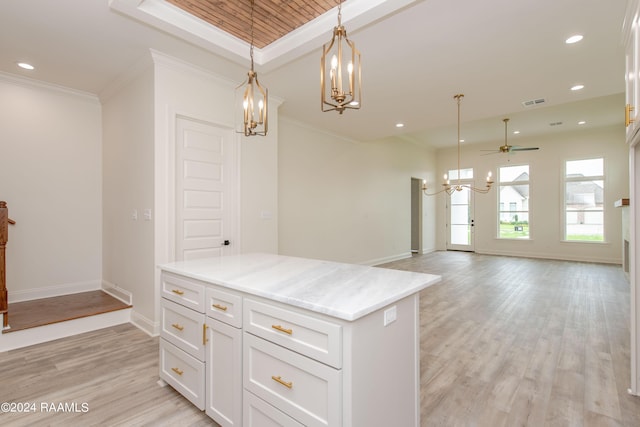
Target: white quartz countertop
[[345, 291]]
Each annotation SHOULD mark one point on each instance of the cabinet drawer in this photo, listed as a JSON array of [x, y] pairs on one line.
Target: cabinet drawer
[[309, 391], [224, 306], [258, 413], [187, 292], [183, 372], [318, 339], [184, 328]]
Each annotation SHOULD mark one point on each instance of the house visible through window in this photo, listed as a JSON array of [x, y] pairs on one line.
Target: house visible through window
[[513, 223], [584, 200]]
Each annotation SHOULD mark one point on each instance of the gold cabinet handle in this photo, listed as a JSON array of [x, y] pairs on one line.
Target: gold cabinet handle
[[627, 115], [220, 307], [177, 326], [177, 291], [204, 334], [177, 371], [279, 379], [281, 329]]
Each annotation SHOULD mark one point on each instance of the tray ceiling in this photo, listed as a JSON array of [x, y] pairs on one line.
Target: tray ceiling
[[273, 19]]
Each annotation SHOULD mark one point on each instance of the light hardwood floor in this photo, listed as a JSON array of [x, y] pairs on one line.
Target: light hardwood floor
[[515, 342], [504, 342]]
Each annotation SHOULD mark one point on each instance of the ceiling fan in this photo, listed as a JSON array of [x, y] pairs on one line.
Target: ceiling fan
[[506, 148]]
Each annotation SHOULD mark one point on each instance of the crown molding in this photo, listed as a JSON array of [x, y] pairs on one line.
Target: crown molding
[[175, 21]]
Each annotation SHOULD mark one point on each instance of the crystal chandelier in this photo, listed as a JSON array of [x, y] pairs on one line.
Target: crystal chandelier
[[340, 91], [446, 185], [254, 99]]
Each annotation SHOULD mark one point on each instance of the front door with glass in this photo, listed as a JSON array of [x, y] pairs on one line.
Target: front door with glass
[[460, 220]]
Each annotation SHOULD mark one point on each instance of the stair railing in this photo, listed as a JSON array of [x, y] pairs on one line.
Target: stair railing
[[4, 237]]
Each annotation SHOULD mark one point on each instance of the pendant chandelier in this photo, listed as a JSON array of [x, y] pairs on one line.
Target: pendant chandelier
[[340, 90], [447, 187], [254, 99]]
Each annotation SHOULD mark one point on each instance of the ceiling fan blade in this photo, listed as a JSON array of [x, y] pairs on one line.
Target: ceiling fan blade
[[524, 148], [490, 152]]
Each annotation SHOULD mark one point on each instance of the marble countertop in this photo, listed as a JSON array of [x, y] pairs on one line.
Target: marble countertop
[[345, 291]]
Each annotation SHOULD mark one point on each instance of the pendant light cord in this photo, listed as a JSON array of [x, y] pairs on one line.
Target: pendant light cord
[[458, 99], [251, 48]]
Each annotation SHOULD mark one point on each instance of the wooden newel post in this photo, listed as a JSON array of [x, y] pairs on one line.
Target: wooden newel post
[[4, 236]]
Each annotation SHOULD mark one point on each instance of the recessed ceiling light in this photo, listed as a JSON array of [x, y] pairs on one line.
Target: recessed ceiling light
[[515, 132], [26, 66], [577, 87], [573, 39], [399, 125], [582, 122]]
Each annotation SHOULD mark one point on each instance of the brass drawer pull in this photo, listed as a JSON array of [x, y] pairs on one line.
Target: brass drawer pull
[[278, 379], [627, 115], [177, 326], [177, 291], [220, 307], [204, 334], [281, 329], [177, 371]]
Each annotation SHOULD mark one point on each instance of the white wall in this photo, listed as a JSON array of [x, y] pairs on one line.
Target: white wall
[[259, 188], [546, 200], [128, 152], [50, 176], [346, 200]]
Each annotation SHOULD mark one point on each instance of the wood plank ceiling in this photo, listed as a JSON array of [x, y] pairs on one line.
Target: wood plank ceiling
[[272, 18]]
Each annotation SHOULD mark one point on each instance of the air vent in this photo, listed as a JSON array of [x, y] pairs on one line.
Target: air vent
[[555, 123], [534, 102]]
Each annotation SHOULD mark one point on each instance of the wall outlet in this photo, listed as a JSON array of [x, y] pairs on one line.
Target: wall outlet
[[390, 315]]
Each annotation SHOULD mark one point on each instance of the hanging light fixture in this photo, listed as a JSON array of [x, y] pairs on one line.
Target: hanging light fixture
[[447, 187], [254, 99], [340, 91]]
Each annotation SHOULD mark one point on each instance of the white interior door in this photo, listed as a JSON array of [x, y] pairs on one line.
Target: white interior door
[[460, 220], [205, 190]]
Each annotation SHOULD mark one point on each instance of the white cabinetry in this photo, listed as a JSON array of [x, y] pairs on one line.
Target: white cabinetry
[[631, 37], [224, 356], [295, 342], [201, 346], [293, 361], [632, 68]]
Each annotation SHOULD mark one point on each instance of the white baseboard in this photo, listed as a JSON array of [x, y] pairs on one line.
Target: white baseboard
[[385, 260], [53, 291], [117, 292], [565, 256], [32, 336], [149, 326]]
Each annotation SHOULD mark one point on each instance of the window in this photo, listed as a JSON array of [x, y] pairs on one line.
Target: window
[[584, 200], [464, 174], [513, 223]]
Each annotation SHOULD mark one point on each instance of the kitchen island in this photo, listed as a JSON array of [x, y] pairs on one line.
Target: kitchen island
[[268, 340]]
